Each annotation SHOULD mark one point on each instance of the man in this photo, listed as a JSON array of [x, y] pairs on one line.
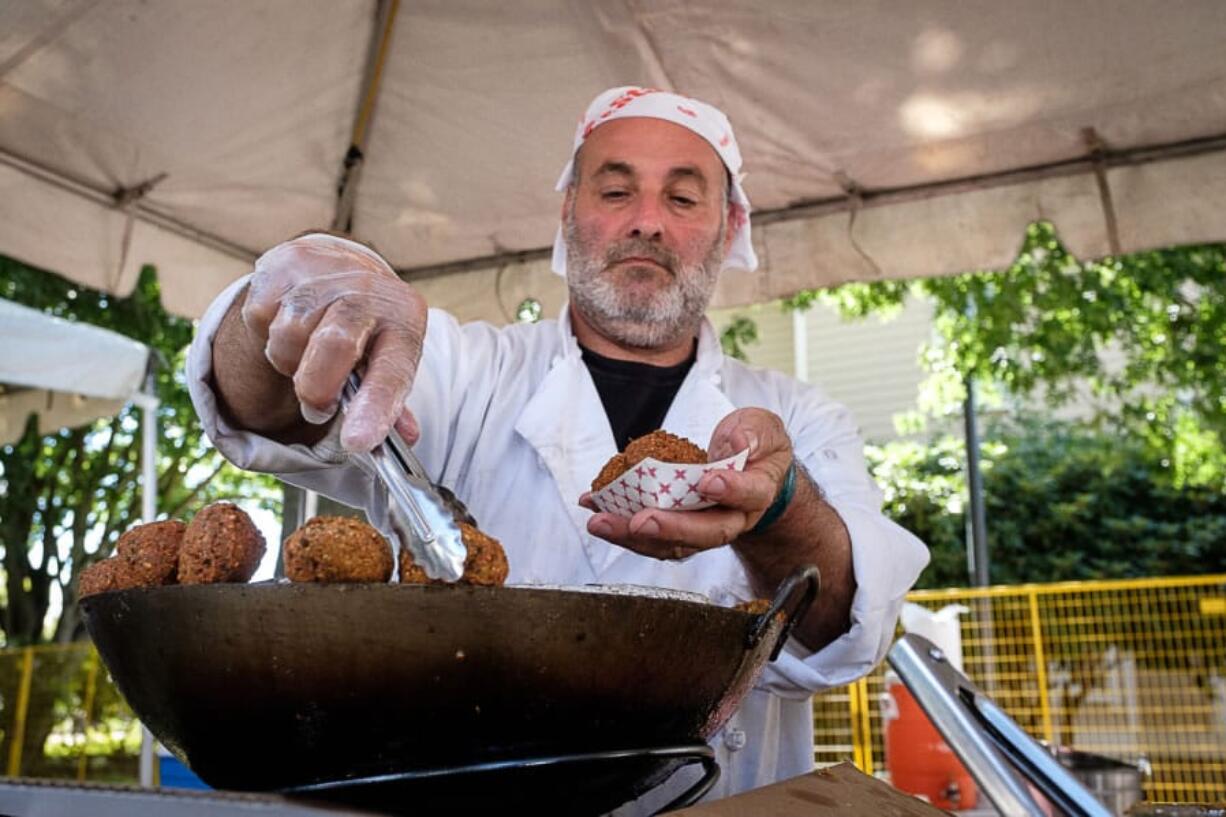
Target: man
[[518, 420]]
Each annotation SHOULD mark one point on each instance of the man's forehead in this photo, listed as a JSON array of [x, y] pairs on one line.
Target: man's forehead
[[645, 143]]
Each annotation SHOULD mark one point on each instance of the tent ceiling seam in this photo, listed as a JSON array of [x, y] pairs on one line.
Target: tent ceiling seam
[[125, 196], [1098, 149], [45, 37], [108, 199], [880, 197]]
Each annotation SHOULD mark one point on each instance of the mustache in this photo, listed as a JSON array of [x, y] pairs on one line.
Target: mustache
[[641, 248]]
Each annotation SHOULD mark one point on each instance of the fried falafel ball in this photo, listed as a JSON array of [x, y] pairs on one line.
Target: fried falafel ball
[[486, 563], [337, 549], [221, 544], [152, 552], [108, 574], [145, 556], [613, 469], [755, 607], [759, 607], [659, 445], [664, 447]]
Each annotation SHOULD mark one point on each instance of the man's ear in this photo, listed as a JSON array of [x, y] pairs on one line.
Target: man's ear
[[733, 226]]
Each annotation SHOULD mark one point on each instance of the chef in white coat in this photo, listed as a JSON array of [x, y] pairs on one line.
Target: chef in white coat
[[518, 420]]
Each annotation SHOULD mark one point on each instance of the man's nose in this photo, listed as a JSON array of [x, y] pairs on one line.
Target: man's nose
[[647, 220]]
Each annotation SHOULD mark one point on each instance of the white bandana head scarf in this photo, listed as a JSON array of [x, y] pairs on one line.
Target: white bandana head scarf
[[705, 120]]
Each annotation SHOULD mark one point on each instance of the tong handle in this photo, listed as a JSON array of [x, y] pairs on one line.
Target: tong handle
[[459, 511], [421, 519], [390, 460], [408, 459]]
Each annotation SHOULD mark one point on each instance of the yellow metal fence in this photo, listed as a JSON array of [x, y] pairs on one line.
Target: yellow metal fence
[[60, 717], [1128, 669]]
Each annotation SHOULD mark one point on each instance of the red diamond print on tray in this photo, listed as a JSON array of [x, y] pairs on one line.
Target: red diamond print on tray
[[650, 485]]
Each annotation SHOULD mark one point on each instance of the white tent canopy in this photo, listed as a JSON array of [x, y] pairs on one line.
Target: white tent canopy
[[881, 138], [68, 373]]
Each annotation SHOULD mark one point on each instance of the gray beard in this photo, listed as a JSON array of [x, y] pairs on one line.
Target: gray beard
[[667, 317]]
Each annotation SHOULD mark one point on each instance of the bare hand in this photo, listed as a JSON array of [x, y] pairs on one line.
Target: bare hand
[[321, 305], [742, 496]]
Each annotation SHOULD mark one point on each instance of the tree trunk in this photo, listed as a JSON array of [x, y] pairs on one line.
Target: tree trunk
[[16, 523]]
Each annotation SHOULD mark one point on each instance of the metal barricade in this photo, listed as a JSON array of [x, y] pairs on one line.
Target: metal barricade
[[62, 718], [1132, 669]]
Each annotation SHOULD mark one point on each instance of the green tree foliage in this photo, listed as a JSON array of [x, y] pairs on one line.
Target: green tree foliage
[[1140, 337], [67, 494], [740, 332], [1064, 502], [1138, 487]]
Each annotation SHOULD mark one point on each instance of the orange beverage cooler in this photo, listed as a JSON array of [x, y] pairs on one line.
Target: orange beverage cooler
[[918, 759]]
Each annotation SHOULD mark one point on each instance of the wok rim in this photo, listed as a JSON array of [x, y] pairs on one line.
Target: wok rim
[[285, 586]]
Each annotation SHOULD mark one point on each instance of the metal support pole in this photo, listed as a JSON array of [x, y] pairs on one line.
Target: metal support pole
[[355, 156], [19, 719], [91, 691], [978, 566], [977, 541], [148, 403]]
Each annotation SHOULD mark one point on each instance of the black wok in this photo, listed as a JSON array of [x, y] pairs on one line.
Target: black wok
[[275, 686]]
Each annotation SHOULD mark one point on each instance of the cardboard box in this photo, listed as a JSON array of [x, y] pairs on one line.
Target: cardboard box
[[833, 792]]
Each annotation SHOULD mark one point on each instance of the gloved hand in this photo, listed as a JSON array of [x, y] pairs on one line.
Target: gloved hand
[[324, 304]]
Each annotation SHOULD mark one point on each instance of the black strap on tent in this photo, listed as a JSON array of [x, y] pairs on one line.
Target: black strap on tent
[[1098, 154]]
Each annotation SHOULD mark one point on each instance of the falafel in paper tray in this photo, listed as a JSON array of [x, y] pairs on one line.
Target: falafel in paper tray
[[658, 470]]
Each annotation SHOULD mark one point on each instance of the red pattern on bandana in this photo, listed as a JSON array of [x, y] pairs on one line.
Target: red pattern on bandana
[[616, 105]]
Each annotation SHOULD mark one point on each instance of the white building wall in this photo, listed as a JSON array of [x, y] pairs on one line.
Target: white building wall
[[870, 365]]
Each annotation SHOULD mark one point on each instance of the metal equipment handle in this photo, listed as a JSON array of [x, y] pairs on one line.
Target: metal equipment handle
[[991, 746], [794, 596]]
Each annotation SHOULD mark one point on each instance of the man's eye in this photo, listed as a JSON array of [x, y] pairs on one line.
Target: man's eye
[[613, 195], [684, 201]]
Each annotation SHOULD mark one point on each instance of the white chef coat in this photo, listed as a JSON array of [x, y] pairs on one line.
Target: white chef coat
[[511, 421]]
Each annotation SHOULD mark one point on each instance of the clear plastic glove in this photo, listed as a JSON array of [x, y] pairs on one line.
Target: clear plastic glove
[[323, 304]]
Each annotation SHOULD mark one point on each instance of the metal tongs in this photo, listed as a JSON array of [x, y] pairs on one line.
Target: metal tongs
[[989, 743], [424, 515]]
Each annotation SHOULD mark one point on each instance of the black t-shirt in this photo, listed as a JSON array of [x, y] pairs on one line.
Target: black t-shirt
[[636, 396]]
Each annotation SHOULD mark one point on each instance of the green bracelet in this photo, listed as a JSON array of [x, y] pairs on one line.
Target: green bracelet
[[782, 499]]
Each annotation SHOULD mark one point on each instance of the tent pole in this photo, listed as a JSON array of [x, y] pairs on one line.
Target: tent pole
[[148, 402], [977, 546], [355, 156], [977, 541]]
